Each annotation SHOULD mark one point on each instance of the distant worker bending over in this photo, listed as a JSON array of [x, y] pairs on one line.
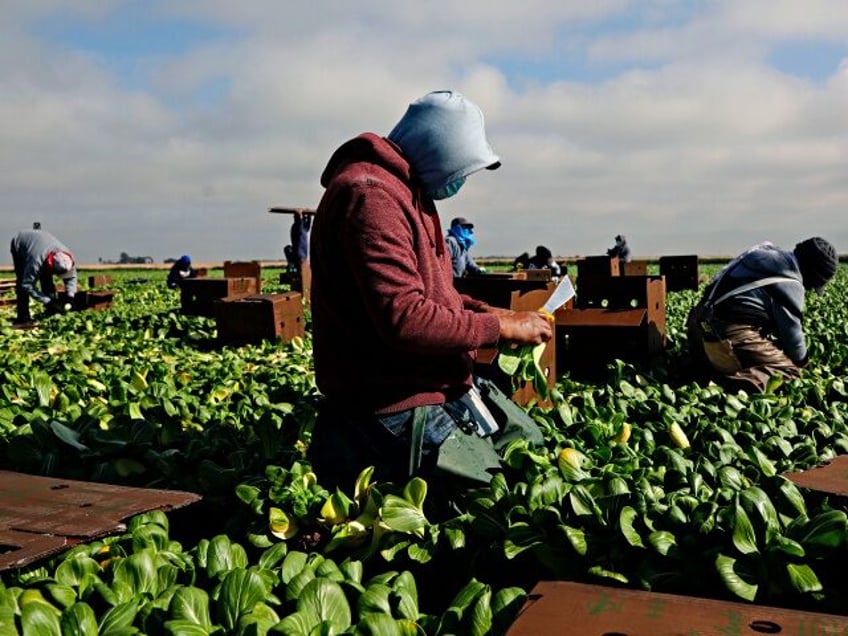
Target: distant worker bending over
[[747, 327], [180, 270], [38, 256], [544, 259], [460, 239]]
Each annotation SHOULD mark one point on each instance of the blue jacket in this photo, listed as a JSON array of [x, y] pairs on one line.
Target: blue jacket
[[777, 308], [461, 258]]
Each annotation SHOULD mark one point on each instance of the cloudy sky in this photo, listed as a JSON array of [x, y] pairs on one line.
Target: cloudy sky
[[162, 127]]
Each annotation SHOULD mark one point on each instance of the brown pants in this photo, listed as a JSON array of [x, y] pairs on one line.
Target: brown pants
[[736, 356]]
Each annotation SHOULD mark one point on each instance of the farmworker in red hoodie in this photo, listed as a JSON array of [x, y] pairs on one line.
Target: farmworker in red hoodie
[[38, 256], [747, 327], [394, 342]]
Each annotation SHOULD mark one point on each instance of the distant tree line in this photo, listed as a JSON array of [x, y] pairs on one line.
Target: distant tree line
[[126, 259]]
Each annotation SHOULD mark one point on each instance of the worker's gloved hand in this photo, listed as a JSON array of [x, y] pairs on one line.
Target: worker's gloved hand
[[525, 327]]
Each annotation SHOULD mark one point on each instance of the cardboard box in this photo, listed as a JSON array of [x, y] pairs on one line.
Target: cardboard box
[[259, 317], [534, 274], [497, 289], [621, 317], [99, 280], [299, 280], [96, 300], [521, 295], [198, 295], [830, 478], [8, 296], [596, 268], [244, 269], [634, 268], [681, 272], [42, 516], [560, 607]]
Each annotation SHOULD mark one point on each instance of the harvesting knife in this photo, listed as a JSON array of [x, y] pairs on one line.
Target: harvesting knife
[[562, 294]]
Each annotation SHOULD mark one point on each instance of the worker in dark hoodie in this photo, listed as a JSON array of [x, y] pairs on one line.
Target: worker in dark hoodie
[[620, 249], [747, 327], [394, 342], [180, 270]]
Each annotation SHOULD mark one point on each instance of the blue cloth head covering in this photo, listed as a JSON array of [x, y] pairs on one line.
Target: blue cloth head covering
[[443, 136], [464, 235], [185, 259]]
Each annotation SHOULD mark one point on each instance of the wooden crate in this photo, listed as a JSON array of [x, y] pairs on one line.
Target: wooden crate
[[198, 295], [259, 317]]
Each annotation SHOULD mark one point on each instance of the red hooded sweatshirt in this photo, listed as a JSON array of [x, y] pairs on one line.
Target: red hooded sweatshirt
[[390, 331]]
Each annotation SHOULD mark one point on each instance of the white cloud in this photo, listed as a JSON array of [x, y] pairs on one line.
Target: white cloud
[[695, 144]]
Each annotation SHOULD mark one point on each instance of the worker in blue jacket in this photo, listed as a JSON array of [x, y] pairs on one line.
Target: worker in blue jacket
[[459, 240], [748, 325]]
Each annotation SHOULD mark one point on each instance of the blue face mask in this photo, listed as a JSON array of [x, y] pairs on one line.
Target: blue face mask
[[464, 235], [447, 191]]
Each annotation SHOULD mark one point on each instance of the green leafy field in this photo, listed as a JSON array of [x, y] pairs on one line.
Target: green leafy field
[[141, 395]]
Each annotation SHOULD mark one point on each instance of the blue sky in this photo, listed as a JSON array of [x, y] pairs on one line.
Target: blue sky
[[810, 60], [160, 128]]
